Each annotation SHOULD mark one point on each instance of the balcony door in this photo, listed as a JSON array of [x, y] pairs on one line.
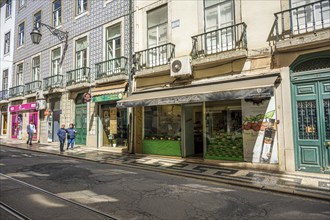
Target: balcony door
[[81, 60], [157, 35], [219, 15], [306, 17], [113, 50]]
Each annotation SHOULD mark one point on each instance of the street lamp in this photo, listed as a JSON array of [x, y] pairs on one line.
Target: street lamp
[[61, 35]]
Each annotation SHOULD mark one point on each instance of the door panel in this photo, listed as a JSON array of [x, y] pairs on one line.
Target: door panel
[[188, 144], [81, 123], [311, 122]]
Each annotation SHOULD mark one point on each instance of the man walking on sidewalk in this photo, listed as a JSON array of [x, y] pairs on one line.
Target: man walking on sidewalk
[[30, 129], [61, 133], [71, 136]]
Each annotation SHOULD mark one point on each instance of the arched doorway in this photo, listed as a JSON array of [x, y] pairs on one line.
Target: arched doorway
[[310, 87], [80, 120]]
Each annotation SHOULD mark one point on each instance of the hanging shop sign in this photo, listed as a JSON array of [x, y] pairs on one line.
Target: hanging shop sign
[[23, 107], [87, 97], [108, 97]]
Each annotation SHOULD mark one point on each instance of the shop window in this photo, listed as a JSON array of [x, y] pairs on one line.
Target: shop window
[[162, 122], [224, 130]]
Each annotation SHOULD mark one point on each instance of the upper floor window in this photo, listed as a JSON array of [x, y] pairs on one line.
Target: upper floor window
[[56, 58], [8, 8], [19, 74], [218, 14], [5, 80], [21, 34], [57, 13], [21, 3], [37, 20], [113, 42], [157, 27], [7, 43], [81, 52], [81, 6], [36, 68]]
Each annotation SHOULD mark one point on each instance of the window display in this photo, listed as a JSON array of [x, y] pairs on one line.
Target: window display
[[223, 130], [162, 122], [114, 123]]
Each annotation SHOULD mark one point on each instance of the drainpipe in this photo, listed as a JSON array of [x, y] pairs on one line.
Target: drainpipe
[[130, 75]]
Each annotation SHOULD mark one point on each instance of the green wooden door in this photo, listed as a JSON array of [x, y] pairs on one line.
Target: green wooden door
[[81, 123], [311, 109]]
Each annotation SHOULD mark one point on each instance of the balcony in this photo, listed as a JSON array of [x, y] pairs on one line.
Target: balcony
[[78, 76], [220, 45], [16, 91], [112, 70], [53, 82], [32, 87], [154, 57], [307, 25], [3, 95]]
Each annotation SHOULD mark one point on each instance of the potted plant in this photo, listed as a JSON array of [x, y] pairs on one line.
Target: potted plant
[[114, 143]]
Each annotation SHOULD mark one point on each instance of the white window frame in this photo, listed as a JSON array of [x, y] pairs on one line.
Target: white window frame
[[5, 79], [36, 76], [6, 48], [19, 74], [79, 7], [9, 8], [21, 3], [57, 14], [37, 22], [55, 61], [21, 34]]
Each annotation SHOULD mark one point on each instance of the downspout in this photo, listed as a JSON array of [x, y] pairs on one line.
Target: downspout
[[130, 74]]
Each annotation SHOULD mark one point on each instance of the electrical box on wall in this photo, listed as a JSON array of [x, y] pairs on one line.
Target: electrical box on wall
[[181, 66], [41, 104]]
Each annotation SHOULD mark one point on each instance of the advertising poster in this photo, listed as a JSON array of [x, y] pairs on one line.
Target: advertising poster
[[259, 131]]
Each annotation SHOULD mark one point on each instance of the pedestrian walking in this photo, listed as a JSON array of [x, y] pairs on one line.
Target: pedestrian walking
[[71, 136], [30, 129], [61, 133]]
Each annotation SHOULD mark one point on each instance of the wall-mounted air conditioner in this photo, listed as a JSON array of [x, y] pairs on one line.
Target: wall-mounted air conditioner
[[181, 66]]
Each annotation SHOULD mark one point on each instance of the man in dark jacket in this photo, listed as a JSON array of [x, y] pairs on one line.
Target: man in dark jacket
[[61, 133], [71, 136]]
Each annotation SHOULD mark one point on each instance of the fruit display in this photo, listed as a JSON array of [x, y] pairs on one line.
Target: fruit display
[[259, 122], [225, 147]]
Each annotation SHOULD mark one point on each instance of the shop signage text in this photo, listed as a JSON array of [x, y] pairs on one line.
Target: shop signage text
[[108, 97], [23, 107]]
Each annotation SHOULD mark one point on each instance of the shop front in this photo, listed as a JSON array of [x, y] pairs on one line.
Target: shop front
[[229, 121], [21, 115], [3, 120], [112, 129]]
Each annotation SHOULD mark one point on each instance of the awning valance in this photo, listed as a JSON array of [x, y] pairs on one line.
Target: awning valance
[[262, 86]]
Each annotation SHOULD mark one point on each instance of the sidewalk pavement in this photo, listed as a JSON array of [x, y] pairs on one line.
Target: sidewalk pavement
[[298, 183]]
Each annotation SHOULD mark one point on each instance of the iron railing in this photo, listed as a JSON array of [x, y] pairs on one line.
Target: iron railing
[[302, 19], [77, 76], [51, 82], [3, 95], [155, 56], [32, 87], [111, 67], [16, 91], [224, 39]]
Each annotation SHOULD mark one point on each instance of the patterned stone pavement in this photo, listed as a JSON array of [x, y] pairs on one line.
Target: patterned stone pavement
[[304, 184]]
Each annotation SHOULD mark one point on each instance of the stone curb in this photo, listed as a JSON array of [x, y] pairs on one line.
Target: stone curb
[[283, 190]]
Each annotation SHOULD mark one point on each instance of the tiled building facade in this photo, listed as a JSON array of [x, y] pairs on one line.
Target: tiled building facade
[[63, 83]]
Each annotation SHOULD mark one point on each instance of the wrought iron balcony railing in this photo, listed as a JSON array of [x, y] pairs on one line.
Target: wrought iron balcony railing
[[224, 39], [32, 87], [302, 19], [155, 56], [77, 76], [4, 95], [52, 82], [111, 67], [16, 91]]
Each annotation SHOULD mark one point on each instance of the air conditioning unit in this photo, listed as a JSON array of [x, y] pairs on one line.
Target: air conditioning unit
[[41, 105], [181, 66]]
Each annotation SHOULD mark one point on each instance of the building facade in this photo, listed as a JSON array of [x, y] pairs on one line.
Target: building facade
[[7, 32], [53, 81], [214, 82]]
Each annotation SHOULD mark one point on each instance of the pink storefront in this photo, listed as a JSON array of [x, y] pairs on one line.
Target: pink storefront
[[23, 113]]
